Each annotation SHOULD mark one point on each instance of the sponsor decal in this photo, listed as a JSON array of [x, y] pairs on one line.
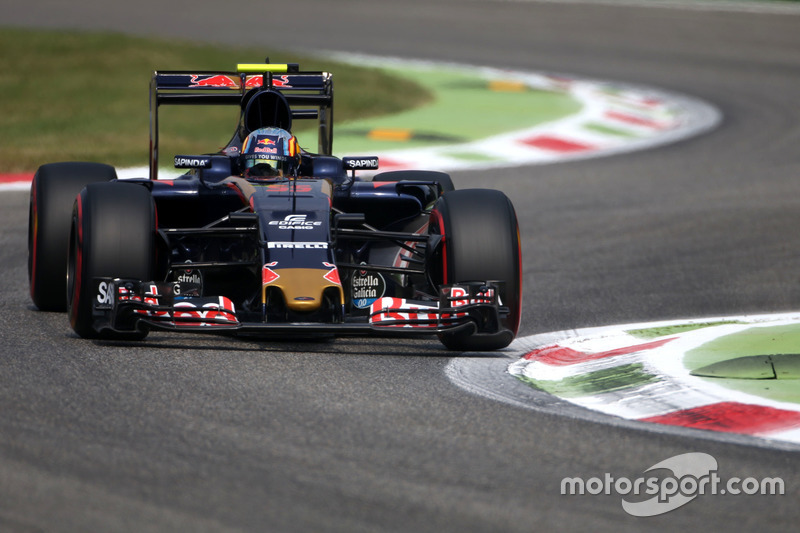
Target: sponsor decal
[[298, 245], [189, 279], [222, 81], [186, 290], [267, 274], [188, 161], [105, 295], [333, 274], [258, 81], [189, 276], [360, 163], [218, 311], [216, 80], [296, 222], [485, 297], [264, 145], [366, 287], [398, 312]]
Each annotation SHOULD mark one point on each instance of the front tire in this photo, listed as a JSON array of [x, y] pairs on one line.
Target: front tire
[[53, 192], [112, 235], [481, 243]]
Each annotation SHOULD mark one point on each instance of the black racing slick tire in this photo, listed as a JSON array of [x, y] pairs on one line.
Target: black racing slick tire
[[113, 234], [480, 243], [53, 193], [442, 178]]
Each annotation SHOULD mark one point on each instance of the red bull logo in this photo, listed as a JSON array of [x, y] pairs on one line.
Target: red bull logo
[[265, 141], [222, 81], [217, 80], [258, 81]]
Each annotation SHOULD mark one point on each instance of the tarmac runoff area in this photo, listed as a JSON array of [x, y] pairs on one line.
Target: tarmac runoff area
[[731, 375]]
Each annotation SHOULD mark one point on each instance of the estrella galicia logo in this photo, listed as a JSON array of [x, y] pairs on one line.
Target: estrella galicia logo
[[367, 287]]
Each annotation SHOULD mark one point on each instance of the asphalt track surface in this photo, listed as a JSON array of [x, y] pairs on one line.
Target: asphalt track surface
[[183, 433]]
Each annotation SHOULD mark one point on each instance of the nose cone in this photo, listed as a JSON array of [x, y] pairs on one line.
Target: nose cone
[[302, 288]]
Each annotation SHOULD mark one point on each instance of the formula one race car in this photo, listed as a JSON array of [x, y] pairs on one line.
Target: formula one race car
[[264, 237]]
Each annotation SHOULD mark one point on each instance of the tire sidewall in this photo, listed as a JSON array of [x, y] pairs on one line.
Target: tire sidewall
[[53, 191]]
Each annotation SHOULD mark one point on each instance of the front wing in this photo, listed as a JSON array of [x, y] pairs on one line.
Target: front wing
[[130, 305]]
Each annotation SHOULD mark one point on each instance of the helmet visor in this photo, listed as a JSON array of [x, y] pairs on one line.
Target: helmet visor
[[257, 165]]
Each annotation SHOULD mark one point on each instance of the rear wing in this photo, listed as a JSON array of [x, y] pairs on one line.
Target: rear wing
[[309, 95]]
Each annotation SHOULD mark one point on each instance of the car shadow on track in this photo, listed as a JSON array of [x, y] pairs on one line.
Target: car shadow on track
[[354, 346]]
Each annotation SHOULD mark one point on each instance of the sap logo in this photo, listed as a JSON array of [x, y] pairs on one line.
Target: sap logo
[[295, 222], [105, 295]]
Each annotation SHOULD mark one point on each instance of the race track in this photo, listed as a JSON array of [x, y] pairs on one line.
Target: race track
[[183, 433]]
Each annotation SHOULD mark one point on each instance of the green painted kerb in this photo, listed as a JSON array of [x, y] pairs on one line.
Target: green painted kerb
[[763, 361], [663, 331], [597, 382], [776, 366]]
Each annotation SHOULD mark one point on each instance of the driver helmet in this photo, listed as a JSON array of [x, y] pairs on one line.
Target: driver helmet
[[270, 153]]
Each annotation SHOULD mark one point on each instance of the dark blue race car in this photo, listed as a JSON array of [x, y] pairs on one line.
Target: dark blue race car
[[264, 237]]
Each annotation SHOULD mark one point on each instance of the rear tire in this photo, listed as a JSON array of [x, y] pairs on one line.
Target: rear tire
[[53, 193], [112, 235], [481, 243]]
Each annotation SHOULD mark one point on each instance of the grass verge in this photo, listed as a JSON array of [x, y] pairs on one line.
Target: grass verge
[[84, 96]]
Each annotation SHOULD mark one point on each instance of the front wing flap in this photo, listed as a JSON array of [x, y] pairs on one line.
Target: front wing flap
[[127, 305], [474, 304]]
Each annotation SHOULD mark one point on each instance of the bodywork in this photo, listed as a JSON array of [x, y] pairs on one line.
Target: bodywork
[[324, 253]]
